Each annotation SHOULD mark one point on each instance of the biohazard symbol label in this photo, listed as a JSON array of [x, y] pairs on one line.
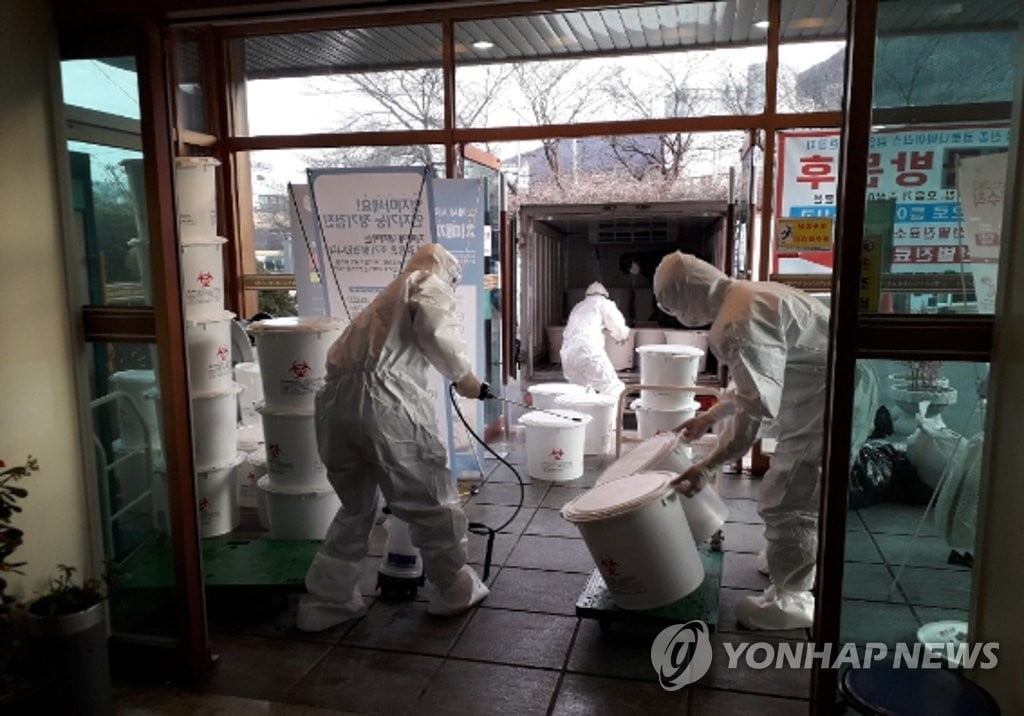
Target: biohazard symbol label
[[222, 353], [299, 369], [274, 450], [611, 567], [203, 504], [205, 279], [556, 454]]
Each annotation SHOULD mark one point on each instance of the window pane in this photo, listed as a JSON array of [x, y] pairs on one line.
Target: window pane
[[365, 80], [914, 487], [653, 63], [191, 95], [106, 85]]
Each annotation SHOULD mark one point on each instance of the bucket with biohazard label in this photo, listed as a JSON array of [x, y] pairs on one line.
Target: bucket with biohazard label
[[554, 444]]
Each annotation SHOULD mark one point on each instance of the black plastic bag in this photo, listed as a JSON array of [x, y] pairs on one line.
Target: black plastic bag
[[882, 473]]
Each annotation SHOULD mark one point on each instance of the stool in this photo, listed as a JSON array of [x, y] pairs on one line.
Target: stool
[[881, 689]]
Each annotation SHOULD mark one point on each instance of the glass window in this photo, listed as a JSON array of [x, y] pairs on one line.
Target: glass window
[[365, 80], [652, 63], [914, 487], [191, 94], [107, 85], [812, 54]]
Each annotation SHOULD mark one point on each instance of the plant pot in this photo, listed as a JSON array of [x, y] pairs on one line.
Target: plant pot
[[74, 646]]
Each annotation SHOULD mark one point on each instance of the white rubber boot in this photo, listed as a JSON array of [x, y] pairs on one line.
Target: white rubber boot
[[776, 610], [466, 591]]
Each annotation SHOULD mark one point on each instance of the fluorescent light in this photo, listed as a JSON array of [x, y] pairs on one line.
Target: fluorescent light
[[483, 45], [762, 24]]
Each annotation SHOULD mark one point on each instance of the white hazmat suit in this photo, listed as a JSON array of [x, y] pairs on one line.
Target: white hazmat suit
[[376, 430], [774, 339], [584, 359]]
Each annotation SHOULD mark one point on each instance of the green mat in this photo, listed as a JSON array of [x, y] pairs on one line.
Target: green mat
[[596, 603], [226, 562]]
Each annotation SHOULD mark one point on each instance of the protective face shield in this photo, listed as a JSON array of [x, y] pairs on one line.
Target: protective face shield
[[597, 289], [689, 289]]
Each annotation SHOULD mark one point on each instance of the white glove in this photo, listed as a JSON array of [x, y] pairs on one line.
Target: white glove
[[468, 386], [696, 426], [693, 479]]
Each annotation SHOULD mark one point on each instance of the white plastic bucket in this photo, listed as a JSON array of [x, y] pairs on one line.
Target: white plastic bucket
[[196, 197], [258, 462], [600, 432], [217, 495], [545, 394], [651, 421], [293, 358], [254, 467], [554, 444], [292, 459], [208, 343], [648, 336], [555, 334], [668, 365], [697, 339], [214, 425], [247, 375], [302, 514], [705, 511], [637, 533], [202, 277], [620, 354], [137, 385], [250, 437]]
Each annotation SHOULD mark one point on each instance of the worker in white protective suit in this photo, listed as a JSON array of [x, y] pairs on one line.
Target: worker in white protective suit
[[584, 359], [376, 431], [774, 339]]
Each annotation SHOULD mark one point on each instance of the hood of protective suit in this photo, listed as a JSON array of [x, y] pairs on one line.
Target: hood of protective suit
[[689, 289], [437, 260], [597, 289]]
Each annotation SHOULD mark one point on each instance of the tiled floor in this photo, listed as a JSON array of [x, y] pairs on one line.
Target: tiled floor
[[523, 651]]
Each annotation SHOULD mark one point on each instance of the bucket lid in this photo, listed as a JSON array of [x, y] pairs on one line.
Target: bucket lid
[[557, 419], [297, 490], [586, 400], [262, 409], [297, 324], [618, 497], [196, 161], [638, 404], [205, 241], [247, 367], [555, 388], [642, 458], [237, 460], [672, 350], [257, 458], [216, 317], [235, 389], [134, 375]]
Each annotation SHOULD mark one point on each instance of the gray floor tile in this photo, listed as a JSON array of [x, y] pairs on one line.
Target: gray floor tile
[[921, 552], [860, 547], [496, 515], [869, 582], [550, 523], [727, 599], [623, 652], [785, 681], [365, 681], [937, 587], [890, 518], [536, 591], [558, 495], [739, 486], [741, 537], [554, 553], [739, 571], [501, 473], [280, 663], [711, 702], [406, 627], [505, 493], [744, 511], [280, 623], [863, 622], [466, 688], [593, 696], [518, 638]]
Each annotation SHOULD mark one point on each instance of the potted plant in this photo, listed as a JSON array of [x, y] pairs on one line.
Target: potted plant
[[12, 681], [920, 384], [69, 624]]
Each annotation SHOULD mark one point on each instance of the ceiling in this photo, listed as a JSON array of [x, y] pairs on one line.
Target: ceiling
[[618, 30]]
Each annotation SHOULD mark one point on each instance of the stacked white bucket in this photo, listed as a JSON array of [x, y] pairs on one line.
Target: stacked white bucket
[[212, 389], [666, 365], [298, 501]]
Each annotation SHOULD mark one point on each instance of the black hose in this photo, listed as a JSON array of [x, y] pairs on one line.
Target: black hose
[[479, 528]]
